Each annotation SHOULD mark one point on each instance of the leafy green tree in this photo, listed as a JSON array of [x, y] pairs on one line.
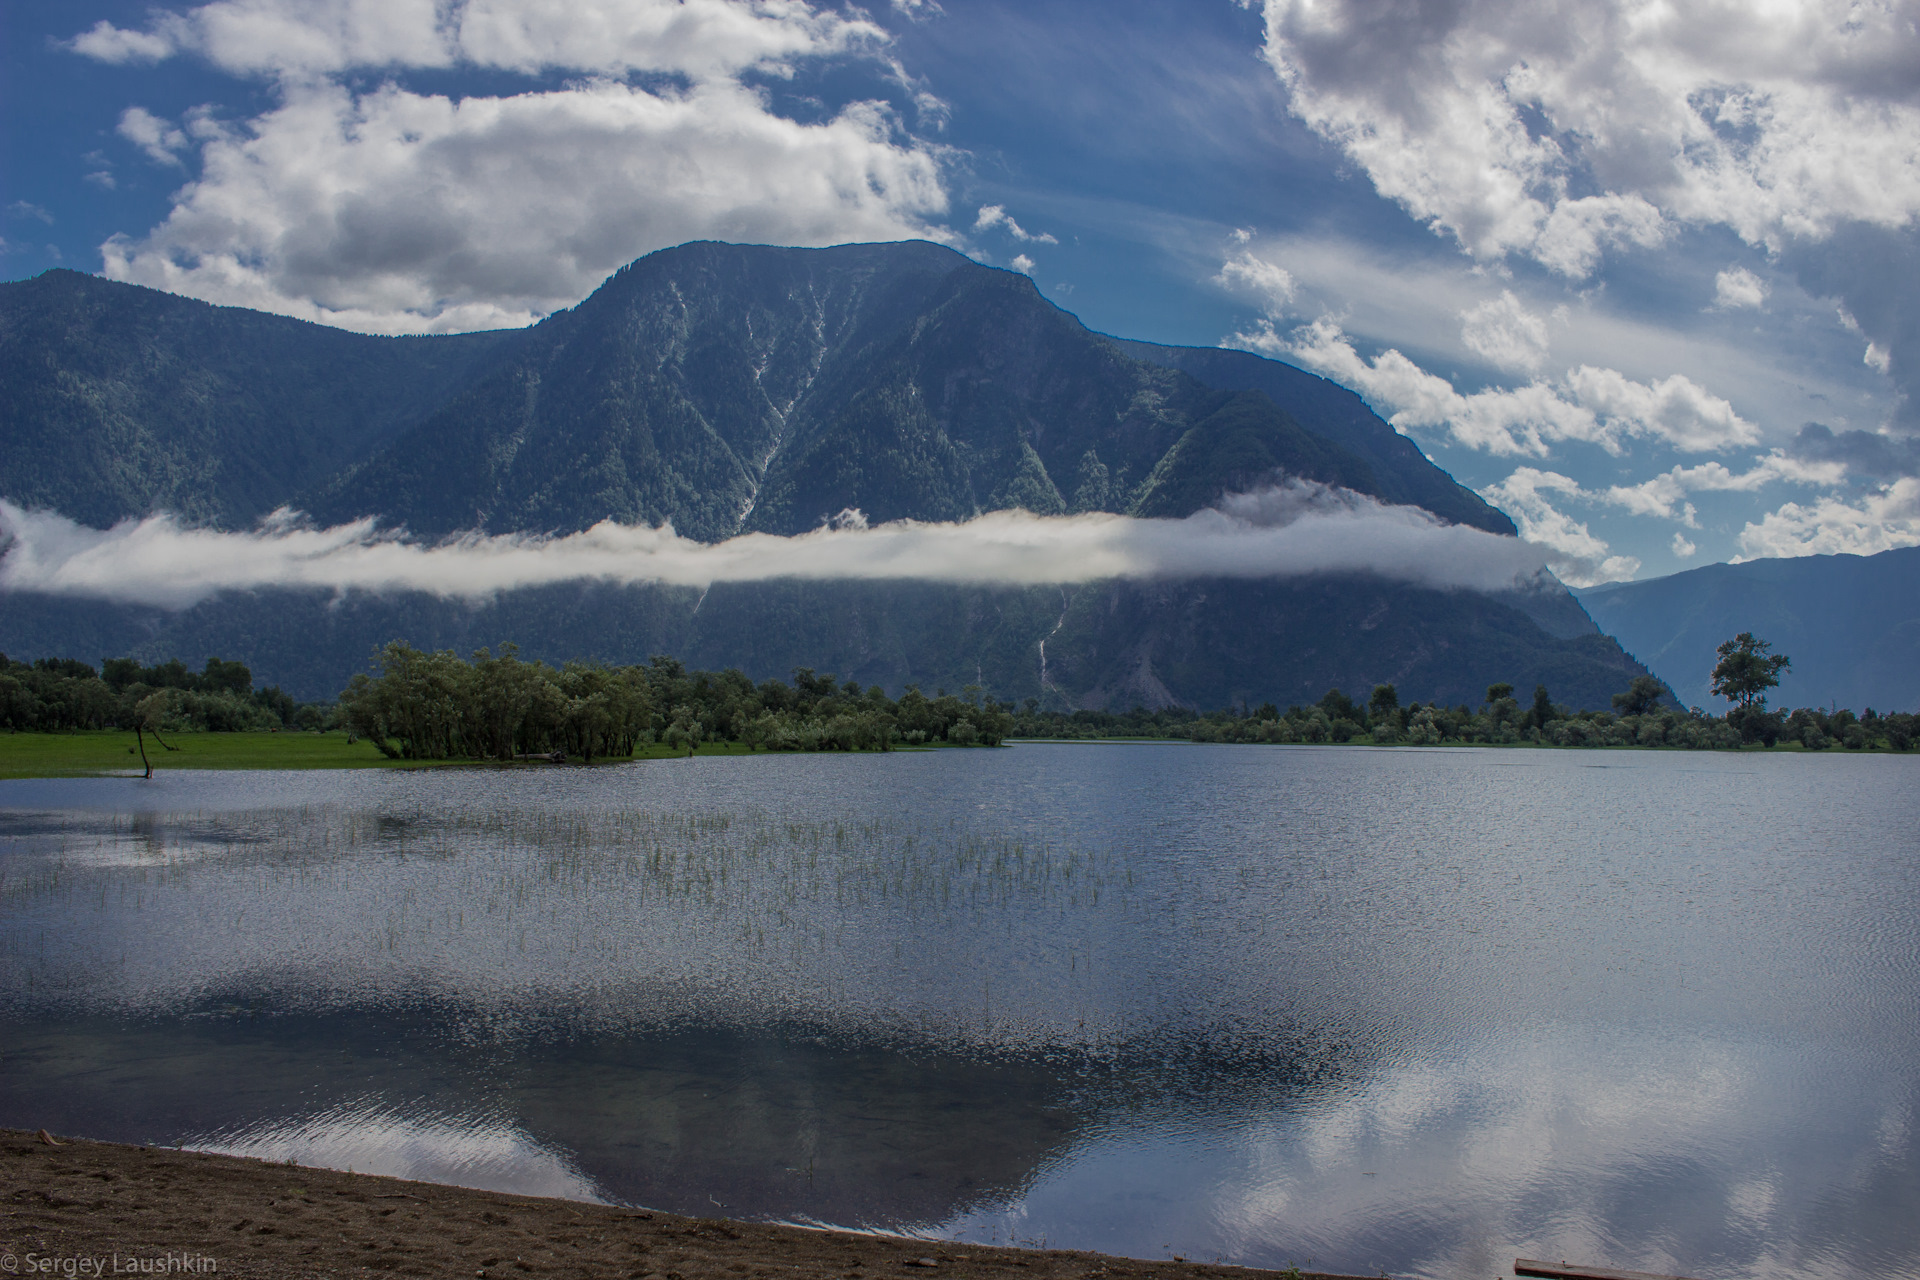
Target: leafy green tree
[[1339, 706], [1641, 697], [1746, 671], [1542, 713], [1498, 692]]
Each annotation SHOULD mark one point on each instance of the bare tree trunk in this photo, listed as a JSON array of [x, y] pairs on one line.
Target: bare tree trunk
[[141, 738]]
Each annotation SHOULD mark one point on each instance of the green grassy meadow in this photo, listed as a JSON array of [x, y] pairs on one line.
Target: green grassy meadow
[[80, 755]]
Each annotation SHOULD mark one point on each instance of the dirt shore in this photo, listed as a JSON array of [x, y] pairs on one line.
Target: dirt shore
[[100, 1209]]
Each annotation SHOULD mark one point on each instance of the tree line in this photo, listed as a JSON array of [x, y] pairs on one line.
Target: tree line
[[439, 706], [56, 695], [415, 705]]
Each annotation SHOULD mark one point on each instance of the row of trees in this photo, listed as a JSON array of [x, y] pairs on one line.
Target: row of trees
[[438, 706], [1643, 716], [55, 695]]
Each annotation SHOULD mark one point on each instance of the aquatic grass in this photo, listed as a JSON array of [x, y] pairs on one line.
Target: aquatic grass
[[766, 909]]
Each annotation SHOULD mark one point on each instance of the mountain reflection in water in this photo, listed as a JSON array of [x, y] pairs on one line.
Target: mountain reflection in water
[[1418, 1011]]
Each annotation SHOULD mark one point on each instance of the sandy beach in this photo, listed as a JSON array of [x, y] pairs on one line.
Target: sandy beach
[[84, 1208]]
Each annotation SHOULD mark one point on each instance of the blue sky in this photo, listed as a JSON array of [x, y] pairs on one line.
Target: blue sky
[[1646, 276]]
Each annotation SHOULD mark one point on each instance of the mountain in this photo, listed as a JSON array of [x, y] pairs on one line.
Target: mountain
[[117, 401], [731, 389], [736, 389], [1851, 624]]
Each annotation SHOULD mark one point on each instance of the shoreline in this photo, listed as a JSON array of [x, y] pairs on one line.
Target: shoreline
[[76, 1207]]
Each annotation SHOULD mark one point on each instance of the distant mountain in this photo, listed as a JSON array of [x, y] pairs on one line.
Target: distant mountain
[[731, 389], [1851, 624]]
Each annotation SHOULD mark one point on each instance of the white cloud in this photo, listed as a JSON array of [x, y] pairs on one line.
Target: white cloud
[[389, 210], [1878, 358], [1738, 287], [1576, 555], [1271, 284], [161, 140], [1413, 300], [1876, 522], [1664, 494], [102, 178], [1506, 333], [1591, 405], [1557, 129], [1287, 531], [993, 215], [305, 38], [396, 211], [1022, 263], [105, 42], [1681, 547]]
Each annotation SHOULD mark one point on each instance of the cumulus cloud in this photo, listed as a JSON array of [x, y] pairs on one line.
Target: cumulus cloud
[[1558, 129], [393, 211], [1287, 531], [389, 210], [1664, 494], [1023, 264], [1878, 521], [1596, 406], [1577, 556], [105, 42], [1505, 333], [161, 140], [993, 215], [1738, 287], [1581, 558], [1271, 285]]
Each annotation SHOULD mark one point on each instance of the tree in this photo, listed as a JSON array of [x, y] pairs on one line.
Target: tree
[[1542, 707], [1339, 706], [1385, 701], [1641, 697], [1495, 692], [1746, 671]]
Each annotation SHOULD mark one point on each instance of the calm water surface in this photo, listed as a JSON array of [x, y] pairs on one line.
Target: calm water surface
[[1420, 1011]]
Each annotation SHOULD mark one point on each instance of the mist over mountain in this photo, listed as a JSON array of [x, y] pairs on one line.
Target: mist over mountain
[[1851, 624], [734, 390]]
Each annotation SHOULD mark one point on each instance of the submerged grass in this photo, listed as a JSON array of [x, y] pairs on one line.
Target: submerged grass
[[612, 914]]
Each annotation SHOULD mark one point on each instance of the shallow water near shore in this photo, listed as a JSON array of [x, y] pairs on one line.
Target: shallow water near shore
[[1404, 1010]]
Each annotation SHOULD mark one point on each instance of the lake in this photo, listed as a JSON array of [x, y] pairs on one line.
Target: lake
[[1418, 1011]]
